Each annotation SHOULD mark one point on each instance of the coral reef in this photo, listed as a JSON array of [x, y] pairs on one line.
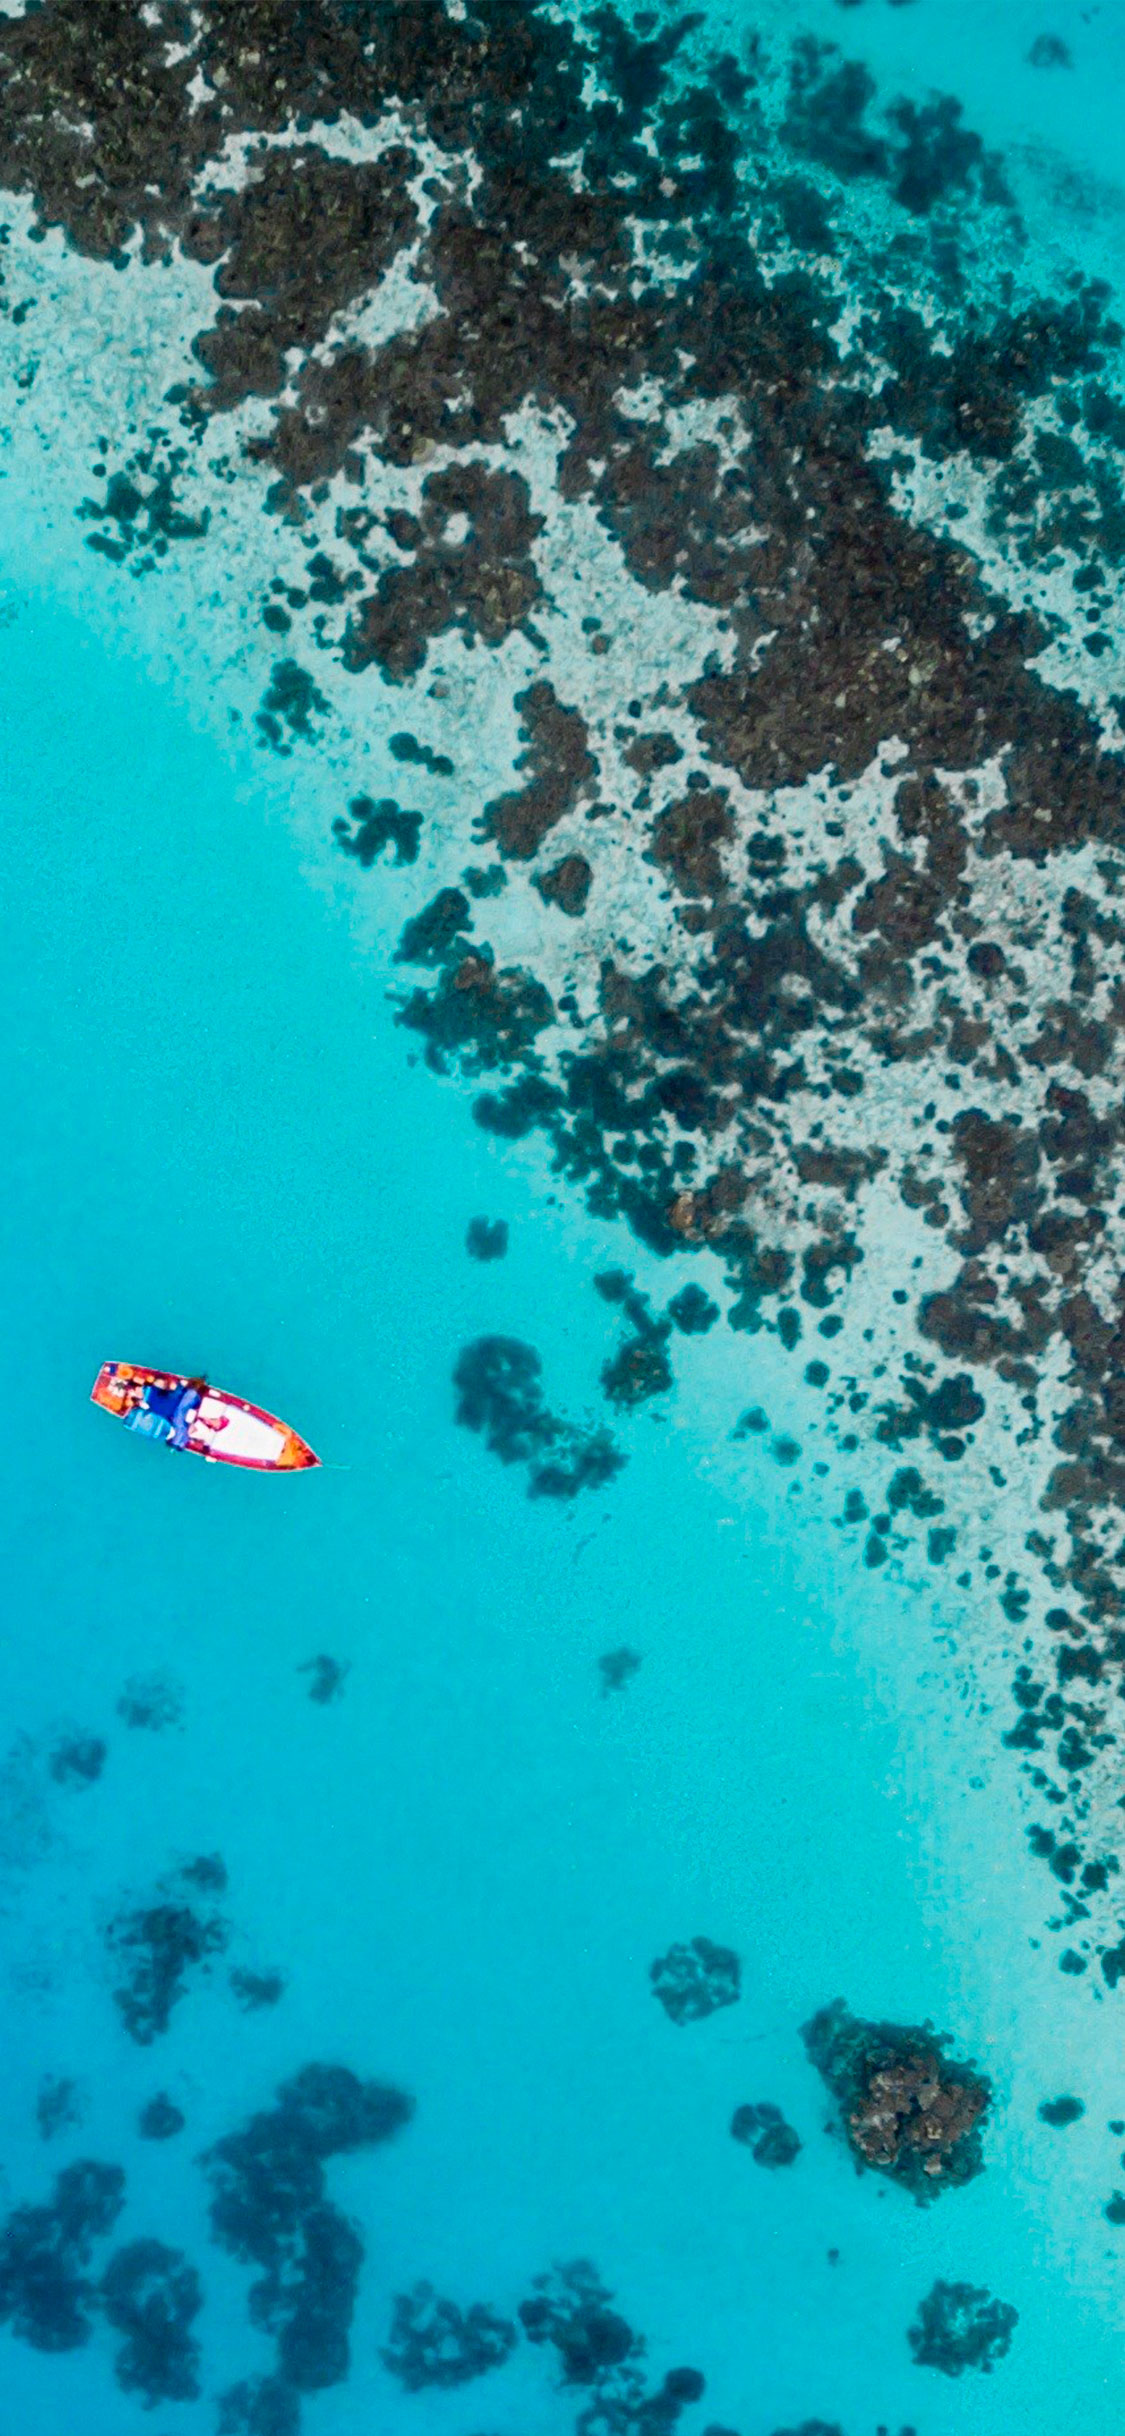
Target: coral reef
[[599, 2353], [151, 2296], [269, 2208], [786, 518], [151, 1703], [78, 1760], [60, 2104], [486, 1238], [499, 1396], [693, 1980], [157, 1946], [45, 2294], [909, 2109], [435, 2342], [1059, 2112], [259, 2406], [762, 2129], [254, 1989], [960, 2326], [160, 2119]]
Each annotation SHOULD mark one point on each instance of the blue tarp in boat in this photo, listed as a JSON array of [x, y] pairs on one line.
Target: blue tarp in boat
[[166, 1413]]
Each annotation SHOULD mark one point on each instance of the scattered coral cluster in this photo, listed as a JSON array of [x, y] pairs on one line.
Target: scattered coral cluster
[[684, 388]]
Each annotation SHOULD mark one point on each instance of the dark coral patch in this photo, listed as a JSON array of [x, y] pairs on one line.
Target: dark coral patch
[[567, 885], [151, 1703], [434, 2342], [269, 2209], [483, 582], [692, 1311], [161, 2118], [616, 1668], [291, 701], [960, 2326], [571, 2311], [638, 1370], [405, 747], [79, 1760], [327, 1677], [559, 768], [151, 2296], [160, 1945], [46, 2296], [1059, 2112], [371, 827], [1049, 51], [254, 1989], [60, 2104], [499, 1396], [691, 1981], [486, 1238], [599, 2352], [762, 2129]]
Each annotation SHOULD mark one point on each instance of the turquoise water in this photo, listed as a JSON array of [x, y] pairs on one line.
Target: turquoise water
[[465, 1866], [220, 1154]]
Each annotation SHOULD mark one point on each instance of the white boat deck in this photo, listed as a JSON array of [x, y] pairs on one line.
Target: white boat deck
[[241, 1434]]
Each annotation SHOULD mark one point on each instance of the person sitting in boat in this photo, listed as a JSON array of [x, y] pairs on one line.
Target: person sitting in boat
[[168, 1411]]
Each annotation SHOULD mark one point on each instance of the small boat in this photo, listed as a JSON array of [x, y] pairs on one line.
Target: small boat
[[197, 1419]]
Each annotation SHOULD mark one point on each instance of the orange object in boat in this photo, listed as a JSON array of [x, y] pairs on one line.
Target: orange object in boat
[[195, 1418]]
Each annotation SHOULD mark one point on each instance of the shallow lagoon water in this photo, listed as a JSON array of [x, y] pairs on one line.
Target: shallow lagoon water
[[220, 1154], [464, 1866]]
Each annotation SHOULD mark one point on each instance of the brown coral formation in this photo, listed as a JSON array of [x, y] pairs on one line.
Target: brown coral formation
[[909, 2109]]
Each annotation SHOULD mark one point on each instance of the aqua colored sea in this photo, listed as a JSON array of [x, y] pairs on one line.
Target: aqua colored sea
[[356, 1723]]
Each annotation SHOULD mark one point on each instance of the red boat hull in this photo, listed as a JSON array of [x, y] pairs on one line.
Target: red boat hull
[[223, 1429]]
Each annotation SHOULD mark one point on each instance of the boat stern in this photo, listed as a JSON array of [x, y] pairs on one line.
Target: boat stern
[[111, 1387]]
